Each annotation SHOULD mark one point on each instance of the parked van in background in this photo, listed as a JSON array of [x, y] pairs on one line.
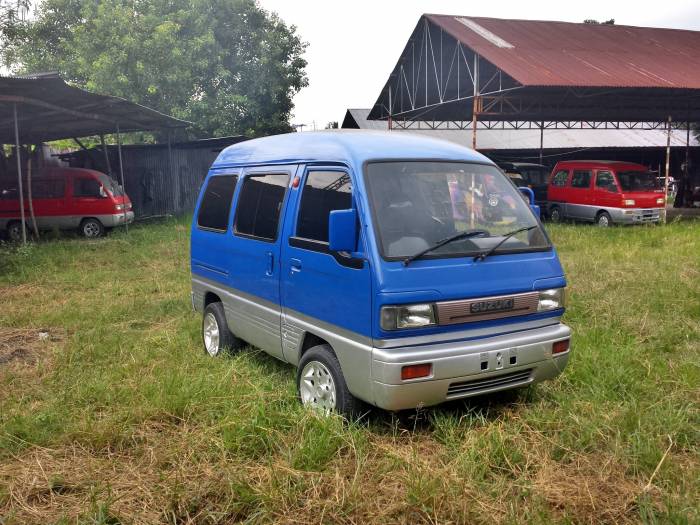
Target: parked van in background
[[66, 199], [605, 192], [394, 269]]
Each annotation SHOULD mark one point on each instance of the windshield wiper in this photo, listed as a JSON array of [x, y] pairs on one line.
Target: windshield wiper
[[485, 254], [443, 242]]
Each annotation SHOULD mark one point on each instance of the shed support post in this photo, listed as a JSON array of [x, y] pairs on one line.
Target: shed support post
[[106, 154], [475, 118], [121, 173], [686, 176], [20, 189], [668, 162], [541, 141], [174, 181]]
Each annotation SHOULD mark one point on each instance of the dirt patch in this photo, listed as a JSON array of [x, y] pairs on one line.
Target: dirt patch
[[26, 345]]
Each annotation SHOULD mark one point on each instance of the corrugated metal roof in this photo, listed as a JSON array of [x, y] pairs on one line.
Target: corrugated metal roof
[[510, 139], [546, 53]]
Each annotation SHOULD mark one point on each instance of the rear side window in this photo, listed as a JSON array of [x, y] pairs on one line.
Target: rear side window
[[324, 191], [216, 203], [560, 178], [84, 187], [49, 188], [581, 179], [260, 204]]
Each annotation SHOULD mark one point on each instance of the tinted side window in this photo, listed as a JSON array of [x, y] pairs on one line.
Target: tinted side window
[[605, 179], [324, 191], [259, 205], [581, 179], [216, 203], [84, 187], [49, 188], [560, 178]]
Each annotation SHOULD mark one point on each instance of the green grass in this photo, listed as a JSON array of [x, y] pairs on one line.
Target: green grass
[[124, 419]]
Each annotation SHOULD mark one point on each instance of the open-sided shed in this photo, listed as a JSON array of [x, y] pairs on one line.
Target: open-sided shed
[[42, 107]]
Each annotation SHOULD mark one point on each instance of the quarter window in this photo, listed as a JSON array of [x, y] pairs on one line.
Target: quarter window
[[581, 179], [260, 204], [324, 191], [560, 178], [49, 188], [216, 203]]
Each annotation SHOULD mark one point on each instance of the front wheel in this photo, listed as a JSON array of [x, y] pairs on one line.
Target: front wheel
[[14, 231], [603, 219], [91, 229], [321, 384]]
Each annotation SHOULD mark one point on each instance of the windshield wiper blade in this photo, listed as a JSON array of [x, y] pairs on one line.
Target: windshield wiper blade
[[443, 242], [485, 254]]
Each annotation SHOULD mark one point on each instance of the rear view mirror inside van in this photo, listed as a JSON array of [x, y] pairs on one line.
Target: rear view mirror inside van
[[342, 231]]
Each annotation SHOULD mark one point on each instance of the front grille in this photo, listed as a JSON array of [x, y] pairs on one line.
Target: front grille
[[463, 311], [477, 385]]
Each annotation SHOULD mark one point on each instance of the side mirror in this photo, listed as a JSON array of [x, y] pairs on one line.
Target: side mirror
[[342, 231], [103, 192]]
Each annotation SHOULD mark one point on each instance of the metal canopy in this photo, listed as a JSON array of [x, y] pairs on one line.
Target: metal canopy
[[49, 109], [458, 68]]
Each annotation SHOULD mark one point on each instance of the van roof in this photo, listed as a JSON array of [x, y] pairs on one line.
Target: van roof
[[600, 163], [346, 146]]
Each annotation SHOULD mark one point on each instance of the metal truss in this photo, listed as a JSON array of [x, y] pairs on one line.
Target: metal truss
[[529, 124]]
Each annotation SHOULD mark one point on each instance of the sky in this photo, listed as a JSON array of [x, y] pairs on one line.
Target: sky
[[354, 44]]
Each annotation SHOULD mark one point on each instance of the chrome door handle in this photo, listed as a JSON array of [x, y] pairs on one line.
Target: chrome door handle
[[295, 265], [270, 263]]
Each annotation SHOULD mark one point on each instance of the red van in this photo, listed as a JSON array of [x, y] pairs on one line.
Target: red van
[[65, 199], [604, 192]]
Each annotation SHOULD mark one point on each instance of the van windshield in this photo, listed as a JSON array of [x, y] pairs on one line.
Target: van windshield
[[637, 181], [416, 204], [110, 185]]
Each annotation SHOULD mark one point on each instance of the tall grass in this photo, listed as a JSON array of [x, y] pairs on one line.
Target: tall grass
[[123, 418]]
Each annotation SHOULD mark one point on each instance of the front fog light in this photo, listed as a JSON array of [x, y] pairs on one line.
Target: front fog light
[[628, 202], [409, 316], [551, 299]]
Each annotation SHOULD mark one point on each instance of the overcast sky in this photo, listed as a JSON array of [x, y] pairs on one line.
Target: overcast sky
[[354, 44]]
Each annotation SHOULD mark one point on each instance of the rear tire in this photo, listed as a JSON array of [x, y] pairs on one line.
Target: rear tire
[[555, 214], [14, 231], [216, 336], [603, 219], [91, 229], [321, 384]]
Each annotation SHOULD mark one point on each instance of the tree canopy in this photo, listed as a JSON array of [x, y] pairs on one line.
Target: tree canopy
[[228, 66]]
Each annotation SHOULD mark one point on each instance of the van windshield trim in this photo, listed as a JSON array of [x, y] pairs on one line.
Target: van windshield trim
[[547, 246]]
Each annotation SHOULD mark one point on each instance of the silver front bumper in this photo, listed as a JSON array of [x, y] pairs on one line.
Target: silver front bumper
[[116, 219], [467, 368], [635, 215]]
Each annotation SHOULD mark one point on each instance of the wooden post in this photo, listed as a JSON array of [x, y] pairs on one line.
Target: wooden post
[[668, 162], [121, 173], [29, 194], [19, 178]]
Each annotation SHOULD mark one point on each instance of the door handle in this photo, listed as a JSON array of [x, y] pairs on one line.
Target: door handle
[[295, 265], [270, 263]]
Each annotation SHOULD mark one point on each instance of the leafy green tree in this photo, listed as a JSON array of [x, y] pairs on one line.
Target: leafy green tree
[[228, 66]]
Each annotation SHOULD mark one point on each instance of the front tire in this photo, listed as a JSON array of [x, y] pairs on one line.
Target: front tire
[[91, 229], [603, 219], [216, 336], [321, 384]]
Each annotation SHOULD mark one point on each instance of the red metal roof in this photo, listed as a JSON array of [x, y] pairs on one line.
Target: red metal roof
[[542, 53]]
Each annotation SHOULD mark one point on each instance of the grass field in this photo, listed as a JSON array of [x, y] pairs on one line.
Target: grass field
[[111, 413]]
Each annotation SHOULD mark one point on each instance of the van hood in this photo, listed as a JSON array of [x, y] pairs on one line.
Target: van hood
[[463, 278]]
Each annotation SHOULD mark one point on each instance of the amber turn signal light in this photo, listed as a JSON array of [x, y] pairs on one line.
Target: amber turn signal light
[[560, 346], [416, 371]]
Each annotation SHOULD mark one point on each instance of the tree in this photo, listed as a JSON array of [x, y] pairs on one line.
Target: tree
[[228, 66], [332, 125], [593, 21], [12, 17]]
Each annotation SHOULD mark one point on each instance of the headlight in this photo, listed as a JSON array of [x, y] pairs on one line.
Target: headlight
[[551, 299], [119, 207], [628, 202], [660, 200], [408, 316]]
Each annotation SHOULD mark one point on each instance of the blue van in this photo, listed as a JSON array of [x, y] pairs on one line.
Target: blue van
[[390, 268]]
